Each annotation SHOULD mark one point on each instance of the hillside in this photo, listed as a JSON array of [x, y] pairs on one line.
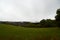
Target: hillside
[[10, 32]]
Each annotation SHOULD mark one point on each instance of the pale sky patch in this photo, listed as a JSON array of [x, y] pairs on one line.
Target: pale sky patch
[[28, 10]]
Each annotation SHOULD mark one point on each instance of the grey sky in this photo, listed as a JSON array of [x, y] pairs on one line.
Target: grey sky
[[28, 10]]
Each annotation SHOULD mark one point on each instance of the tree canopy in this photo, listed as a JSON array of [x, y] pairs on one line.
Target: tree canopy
[[57, 17]]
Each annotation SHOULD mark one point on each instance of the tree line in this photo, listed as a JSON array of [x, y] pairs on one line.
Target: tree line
[[44, 23]]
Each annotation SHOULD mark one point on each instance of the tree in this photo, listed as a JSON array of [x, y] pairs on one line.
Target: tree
[[57, 17], [47, 23], [50, 23], [43, 23]]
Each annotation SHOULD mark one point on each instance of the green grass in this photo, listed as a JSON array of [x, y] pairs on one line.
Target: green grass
[[10, 32]]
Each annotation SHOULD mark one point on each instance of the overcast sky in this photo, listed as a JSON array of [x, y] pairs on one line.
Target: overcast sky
[[28, 10]]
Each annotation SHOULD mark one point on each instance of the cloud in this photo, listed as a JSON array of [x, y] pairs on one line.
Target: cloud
[[28, 10]]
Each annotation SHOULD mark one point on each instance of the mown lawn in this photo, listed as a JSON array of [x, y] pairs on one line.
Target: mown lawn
[[10, 32]]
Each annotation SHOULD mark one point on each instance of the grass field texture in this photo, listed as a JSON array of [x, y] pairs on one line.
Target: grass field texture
[[10, 32]]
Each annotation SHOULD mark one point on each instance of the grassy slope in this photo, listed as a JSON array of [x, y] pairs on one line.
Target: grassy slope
[[9, 32]]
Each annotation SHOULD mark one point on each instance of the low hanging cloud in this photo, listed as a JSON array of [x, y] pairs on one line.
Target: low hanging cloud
[[28, 10]]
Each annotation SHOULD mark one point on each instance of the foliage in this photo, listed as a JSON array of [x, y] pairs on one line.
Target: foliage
[[48, 23], [57, 17]]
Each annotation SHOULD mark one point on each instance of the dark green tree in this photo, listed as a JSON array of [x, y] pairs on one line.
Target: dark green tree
[[57, 17], [47, 23], [43, 23], [50, 23]]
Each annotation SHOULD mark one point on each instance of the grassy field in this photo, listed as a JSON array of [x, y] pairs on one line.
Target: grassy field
[[9, 32]]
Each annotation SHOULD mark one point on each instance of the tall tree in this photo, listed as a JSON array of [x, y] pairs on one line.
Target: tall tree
[[57, 17]]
